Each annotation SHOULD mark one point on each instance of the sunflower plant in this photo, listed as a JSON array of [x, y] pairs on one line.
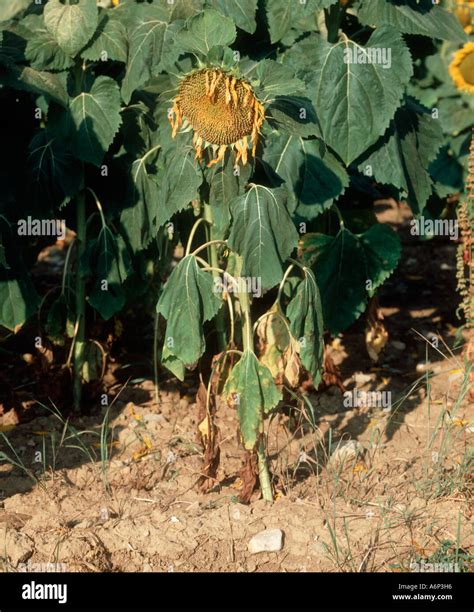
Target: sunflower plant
[[222, 158]]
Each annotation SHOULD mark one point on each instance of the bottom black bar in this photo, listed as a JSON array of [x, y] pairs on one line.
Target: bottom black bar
[[315, 592]]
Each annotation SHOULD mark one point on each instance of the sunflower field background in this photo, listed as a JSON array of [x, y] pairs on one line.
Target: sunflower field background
[[194, 147]]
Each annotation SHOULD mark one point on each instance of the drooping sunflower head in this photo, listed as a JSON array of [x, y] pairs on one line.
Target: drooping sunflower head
[[461, 68], [222, 111], [464, 11]]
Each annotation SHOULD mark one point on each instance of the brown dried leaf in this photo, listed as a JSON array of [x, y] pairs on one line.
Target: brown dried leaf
[[209, 437], [279, 351], [332, 374], [376, 335], [249, 477]]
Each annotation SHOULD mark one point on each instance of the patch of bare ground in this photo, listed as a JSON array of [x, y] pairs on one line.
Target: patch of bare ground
[[400, 495]]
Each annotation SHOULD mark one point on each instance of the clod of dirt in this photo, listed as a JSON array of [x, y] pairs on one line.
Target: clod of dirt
[[270, 540], [18, 546], [344, 451]]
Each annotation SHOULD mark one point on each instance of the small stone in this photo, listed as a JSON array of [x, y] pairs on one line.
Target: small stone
[[470, 428], [269, 540], [345, 450], [360, 378]]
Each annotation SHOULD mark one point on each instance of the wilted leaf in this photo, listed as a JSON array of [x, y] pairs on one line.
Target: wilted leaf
[[306, 324], [251, 389], [279, 351], [262, 233], [402, 156], [313, 175], [344, 265], [187, 301]]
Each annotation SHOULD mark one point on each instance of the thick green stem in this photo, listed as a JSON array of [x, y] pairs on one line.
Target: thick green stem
[[214, 261], [80, 299], [80, 280], [247, 339]]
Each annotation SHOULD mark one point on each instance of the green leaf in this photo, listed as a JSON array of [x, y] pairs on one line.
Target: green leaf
[[180, 183], [447, 173], [224, 186], [356, 101], [55, 174], [138, 218], [187, 301], [109, 42], [305, 314], [340, 274], [173, 364], [96, 117], [293, 115], [262, 233], [401, 157], [243, 12], [18, 297], [110, 266], [206, 30], [412, 17], [343, 266], [42, 49], [454, 116], [283, 15], [382, 252], [10, 8], [72, 25], [57, 320], [251, 388], [43, 83], [182, 9], [146, 36], [313, 176], [18, 300], [273, 80]]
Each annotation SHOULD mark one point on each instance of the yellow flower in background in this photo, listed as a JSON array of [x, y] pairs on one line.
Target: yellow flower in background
[[461, 68], [221, 110], [464, 11]]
